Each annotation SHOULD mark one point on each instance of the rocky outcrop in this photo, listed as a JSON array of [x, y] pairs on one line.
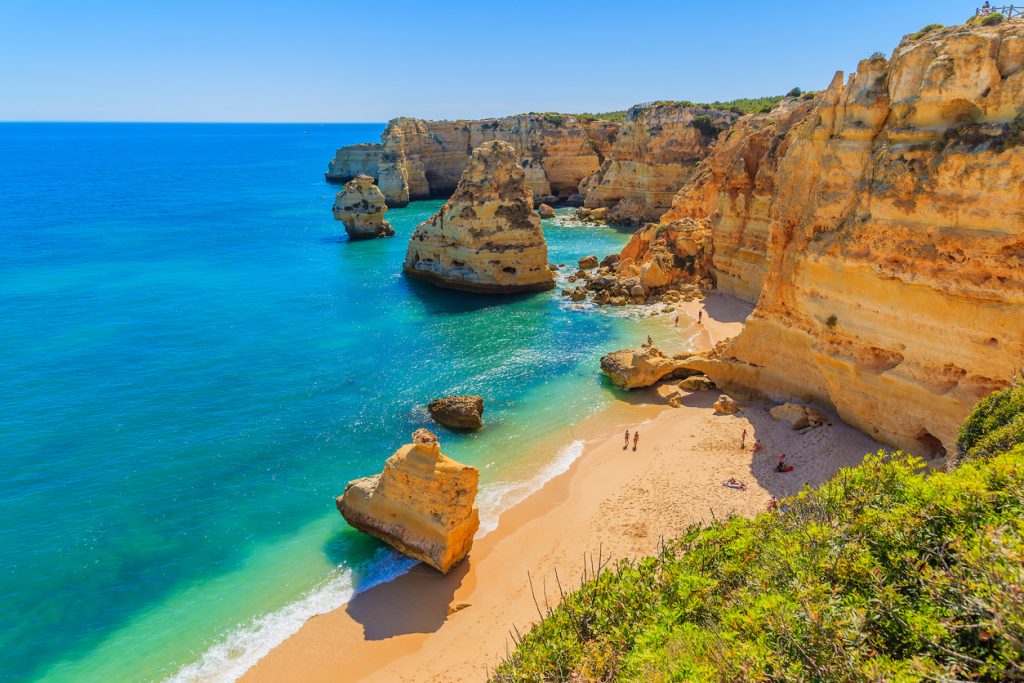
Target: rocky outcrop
[[418, 159], [893, 222], [726, 405], [643, 367], [458, 412], [487, 237], [422, 504], [697, 383], [360, 206], [730, 194], [545, 211], [655, 152]]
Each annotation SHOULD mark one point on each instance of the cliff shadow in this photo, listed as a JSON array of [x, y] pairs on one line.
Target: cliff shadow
[[438, 300], [418, 601], [726, 308]]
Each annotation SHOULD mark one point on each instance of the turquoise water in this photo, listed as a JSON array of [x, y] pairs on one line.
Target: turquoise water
[[195, 361]]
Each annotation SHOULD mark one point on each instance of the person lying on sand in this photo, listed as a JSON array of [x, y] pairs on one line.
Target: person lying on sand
[[757, 446], [733, 483]]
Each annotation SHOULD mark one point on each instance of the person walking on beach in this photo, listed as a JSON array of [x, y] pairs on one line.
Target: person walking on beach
[[743, 440], [700, 316], [677, 321], [626, 445], [636, 439]]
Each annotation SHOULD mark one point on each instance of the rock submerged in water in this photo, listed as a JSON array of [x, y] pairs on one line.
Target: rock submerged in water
[[458, 412], [361, 207], [487, 237], [423, 504]]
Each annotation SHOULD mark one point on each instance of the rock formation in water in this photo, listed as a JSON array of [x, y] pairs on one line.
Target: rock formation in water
[[422, 504], [654, 153], [458, 412], [890, 217], [360, 206], [487, 237], [418, 159]]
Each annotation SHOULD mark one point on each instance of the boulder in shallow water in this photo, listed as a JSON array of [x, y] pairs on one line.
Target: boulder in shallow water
[[423, 503], [361, 207], [588, 262], [546, 211], [458, 412]]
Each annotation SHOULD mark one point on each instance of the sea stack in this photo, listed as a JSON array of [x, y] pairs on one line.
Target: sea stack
[[422, 504], [487, 237], [361, 207]]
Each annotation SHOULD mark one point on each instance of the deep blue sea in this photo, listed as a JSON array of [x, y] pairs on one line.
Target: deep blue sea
[[194, 362]]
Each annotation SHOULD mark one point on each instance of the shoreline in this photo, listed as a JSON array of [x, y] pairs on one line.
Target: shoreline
[[425, 626]]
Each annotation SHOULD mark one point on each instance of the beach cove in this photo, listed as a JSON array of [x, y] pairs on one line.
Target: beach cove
[[611, 503]]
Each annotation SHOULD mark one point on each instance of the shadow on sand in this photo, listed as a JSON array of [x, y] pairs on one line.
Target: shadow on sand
[[415, 602]]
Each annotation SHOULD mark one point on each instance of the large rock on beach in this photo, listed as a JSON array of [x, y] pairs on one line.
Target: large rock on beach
[[422, 504], [361, 207], [458, 412], [640, 368], [798, 416], [727, 405], [487, 237]]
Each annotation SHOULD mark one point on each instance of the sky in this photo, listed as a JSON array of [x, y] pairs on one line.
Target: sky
[[372, 60]]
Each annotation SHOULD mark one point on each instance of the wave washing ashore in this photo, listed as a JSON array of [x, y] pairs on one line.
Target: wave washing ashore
[[198, 363]]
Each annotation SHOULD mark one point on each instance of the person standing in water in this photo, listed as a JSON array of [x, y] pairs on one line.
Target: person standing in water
[[636, 439], [626, 445]]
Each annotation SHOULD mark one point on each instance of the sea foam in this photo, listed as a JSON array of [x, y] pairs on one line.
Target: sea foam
[[242, 648]]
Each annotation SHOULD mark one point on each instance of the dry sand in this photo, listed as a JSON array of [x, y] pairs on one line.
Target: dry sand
[[426, 627]]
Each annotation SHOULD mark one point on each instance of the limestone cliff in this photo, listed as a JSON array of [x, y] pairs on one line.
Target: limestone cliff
[[655, 152], [423, 503], [487, 237], [361, 207], [892, 218], [417, 159]]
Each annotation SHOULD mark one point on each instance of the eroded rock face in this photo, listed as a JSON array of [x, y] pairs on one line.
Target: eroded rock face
[[727, 405], [487, 237], [418, 159], [894, 242], [643, 367], [654, 153], [422, 504], [360, 206], [458, 412]]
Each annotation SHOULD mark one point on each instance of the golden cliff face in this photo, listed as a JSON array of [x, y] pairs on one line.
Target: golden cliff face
[[422, 504], [360, 206], [655, 152], [418, 159], [487, 237], [893, 221]]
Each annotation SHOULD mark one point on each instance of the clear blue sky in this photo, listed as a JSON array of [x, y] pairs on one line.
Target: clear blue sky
[[311, 61]]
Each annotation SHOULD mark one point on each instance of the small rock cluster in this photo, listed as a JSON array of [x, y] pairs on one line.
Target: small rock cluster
[[616, 281], [593, 216]]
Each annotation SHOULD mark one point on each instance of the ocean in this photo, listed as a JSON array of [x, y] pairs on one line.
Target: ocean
[[195, 361]]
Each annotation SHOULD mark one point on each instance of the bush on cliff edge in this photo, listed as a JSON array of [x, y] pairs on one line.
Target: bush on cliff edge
[[881, 574], [995, 425]]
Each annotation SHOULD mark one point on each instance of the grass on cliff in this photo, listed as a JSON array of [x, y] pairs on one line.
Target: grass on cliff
[[745, 105], [881, 574]]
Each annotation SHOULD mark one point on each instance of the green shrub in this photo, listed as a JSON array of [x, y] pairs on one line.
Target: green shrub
[[992, 19], [995, 424], [795, 92], [881, 574], [927, 29], [877, 56]]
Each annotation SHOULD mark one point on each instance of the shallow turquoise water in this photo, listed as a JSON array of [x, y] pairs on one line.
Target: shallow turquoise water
[[194, 363]]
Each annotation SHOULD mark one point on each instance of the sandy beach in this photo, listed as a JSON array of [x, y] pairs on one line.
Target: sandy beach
[[613, 501]]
